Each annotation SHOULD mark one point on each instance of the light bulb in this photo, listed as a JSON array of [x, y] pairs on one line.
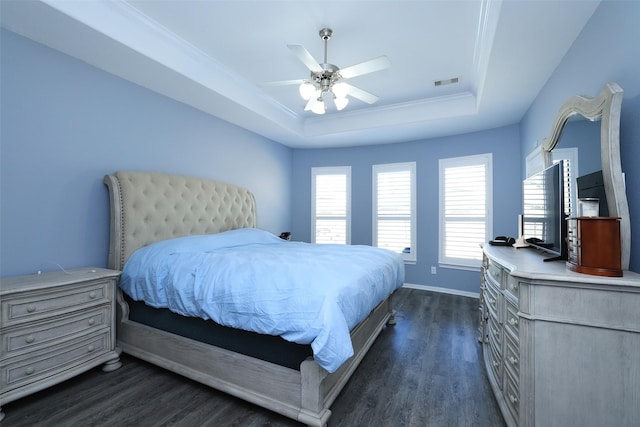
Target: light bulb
[[319, 107], [307, 90], [341, 103], [340, 90]]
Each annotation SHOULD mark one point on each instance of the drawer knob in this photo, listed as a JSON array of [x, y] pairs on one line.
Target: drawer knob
[[90, 348], [513, 321], [29, 370], [513, 360], [92, 321], [31, 308], [29, 339], [92, 294], [513, 399]]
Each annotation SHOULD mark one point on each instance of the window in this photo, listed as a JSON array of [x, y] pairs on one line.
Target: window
[[331, 205], [394, 208], [465, 209]]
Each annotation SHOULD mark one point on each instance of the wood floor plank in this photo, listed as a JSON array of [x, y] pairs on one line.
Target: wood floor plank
[[424, 371]]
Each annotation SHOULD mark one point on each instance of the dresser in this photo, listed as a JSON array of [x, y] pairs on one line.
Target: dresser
[[55, 326], [560, 348]]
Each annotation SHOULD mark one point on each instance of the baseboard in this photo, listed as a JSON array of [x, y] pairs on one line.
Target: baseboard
[[442, 290]]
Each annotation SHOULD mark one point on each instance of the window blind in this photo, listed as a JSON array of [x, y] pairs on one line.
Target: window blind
[[464, 209], [331, 205], [394, 208]]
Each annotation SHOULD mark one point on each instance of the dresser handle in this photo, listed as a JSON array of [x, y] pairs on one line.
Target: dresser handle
[[90, 348], [92, 321], [513, 399], [92, 295], [513, 360], [29, 370], [513, 321], [30, 339], [31, 308]]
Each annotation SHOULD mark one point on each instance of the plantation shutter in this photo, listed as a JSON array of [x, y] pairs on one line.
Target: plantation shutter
[[464, 209]]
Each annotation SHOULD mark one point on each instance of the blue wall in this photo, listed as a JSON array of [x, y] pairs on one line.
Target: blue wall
[[502, 142], [606, 51], [66, 124]]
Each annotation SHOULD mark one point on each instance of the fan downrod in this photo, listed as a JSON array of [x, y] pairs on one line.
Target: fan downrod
[[326, 33]]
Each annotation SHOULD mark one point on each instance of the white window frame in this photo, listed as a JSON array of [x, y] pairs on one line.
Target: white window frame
[[444, 164], [333, 170], [411, 256]]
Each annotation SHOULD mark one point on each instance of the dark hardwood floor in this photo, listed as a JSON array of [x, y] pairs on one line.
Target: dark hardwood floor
[[425, 371]]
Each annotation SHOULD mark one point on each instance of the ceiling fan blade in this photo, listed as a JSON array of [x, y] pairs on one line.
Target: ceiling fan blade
[[282, 83], [310, 103], [360, 94], [375, 64], [306, 58]]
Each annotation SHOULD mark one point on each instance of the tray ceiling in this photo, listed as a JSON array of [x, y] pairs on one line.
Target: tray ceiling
[[213, 55]]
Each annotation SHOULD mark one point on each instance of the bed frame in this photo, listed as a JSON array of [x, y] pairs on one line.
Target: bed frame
[[150, 207]]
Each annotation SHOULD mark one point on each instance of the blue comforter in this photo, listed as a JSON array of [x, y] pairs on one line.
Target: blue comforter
[[253, 280]]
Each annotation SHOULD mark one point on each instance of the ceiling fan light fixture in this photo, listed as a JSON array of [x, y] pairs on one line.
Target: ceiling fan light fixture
[[340, 90], [341, 102], [307, 90], [318, 106]]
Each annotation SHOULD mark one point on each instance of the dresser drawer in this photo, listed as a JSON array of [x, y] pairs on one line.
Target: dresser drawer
[[39, 334], [512, 357], [494, 332], [495, 272], [513, 287], [43, 364], [495, 362], [31, 306], [512, 395], [512, 320], [492, 299]]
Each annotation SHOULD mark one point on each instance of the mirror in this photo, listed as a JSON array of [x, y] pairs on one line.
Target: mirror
[[605, 110]]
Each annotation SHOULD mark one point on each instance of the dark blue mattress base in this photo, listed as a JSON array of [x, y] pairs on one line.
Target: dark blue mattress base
[[265, 347]]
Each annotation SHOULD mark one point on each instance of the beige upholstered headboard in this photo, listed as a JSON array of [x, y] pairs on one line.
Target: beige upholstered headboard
[[150, 207]]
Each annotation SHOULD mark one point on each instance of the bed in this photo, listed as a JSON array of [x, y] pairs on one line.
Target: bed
[[150, 210]]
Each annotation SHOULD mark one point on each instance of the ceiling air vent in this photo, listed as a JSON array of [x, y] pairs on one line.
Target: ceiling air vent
[[446, 82]]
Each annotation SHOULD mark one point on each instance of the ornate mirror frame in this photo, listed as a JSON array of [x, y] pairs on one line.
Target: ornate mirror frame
[[606, 108]]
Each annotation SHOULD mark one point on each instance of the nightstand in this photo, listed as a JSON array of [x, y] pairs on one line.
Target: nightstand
[[55, 326]]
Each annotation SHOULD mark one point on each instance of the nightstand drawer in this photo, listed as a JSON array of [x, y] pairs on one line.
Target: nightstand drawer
[[40, 334], [31, 306], [45, 364]]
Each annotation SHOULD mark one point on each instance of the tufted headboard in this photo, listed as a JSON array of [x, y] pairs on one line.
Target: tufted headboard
[[150, 207]]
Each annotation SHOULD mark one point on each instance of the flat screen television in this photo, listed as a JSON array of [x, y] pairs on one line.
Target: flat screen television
[[544, 220]]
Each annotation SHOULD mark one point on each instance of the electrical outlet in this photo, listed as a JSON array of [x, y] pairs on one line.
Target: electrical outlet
[[433, 270]]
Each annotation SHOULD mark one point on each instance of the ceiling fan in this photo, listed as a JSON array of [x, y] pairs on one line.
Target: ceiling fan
[[328, 80]]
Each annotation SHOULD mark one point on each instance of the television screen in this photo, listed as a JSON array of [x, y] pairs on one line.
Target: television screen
[[544, 224]]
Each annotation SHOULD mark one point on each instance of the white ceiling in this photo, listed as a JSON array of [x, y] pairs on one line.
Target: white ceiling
[[213, 55]]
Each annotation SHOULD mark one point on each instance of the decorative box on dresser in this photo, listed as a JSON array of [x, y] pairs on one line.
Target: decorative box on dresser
[[560, 348], [55, 326]]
